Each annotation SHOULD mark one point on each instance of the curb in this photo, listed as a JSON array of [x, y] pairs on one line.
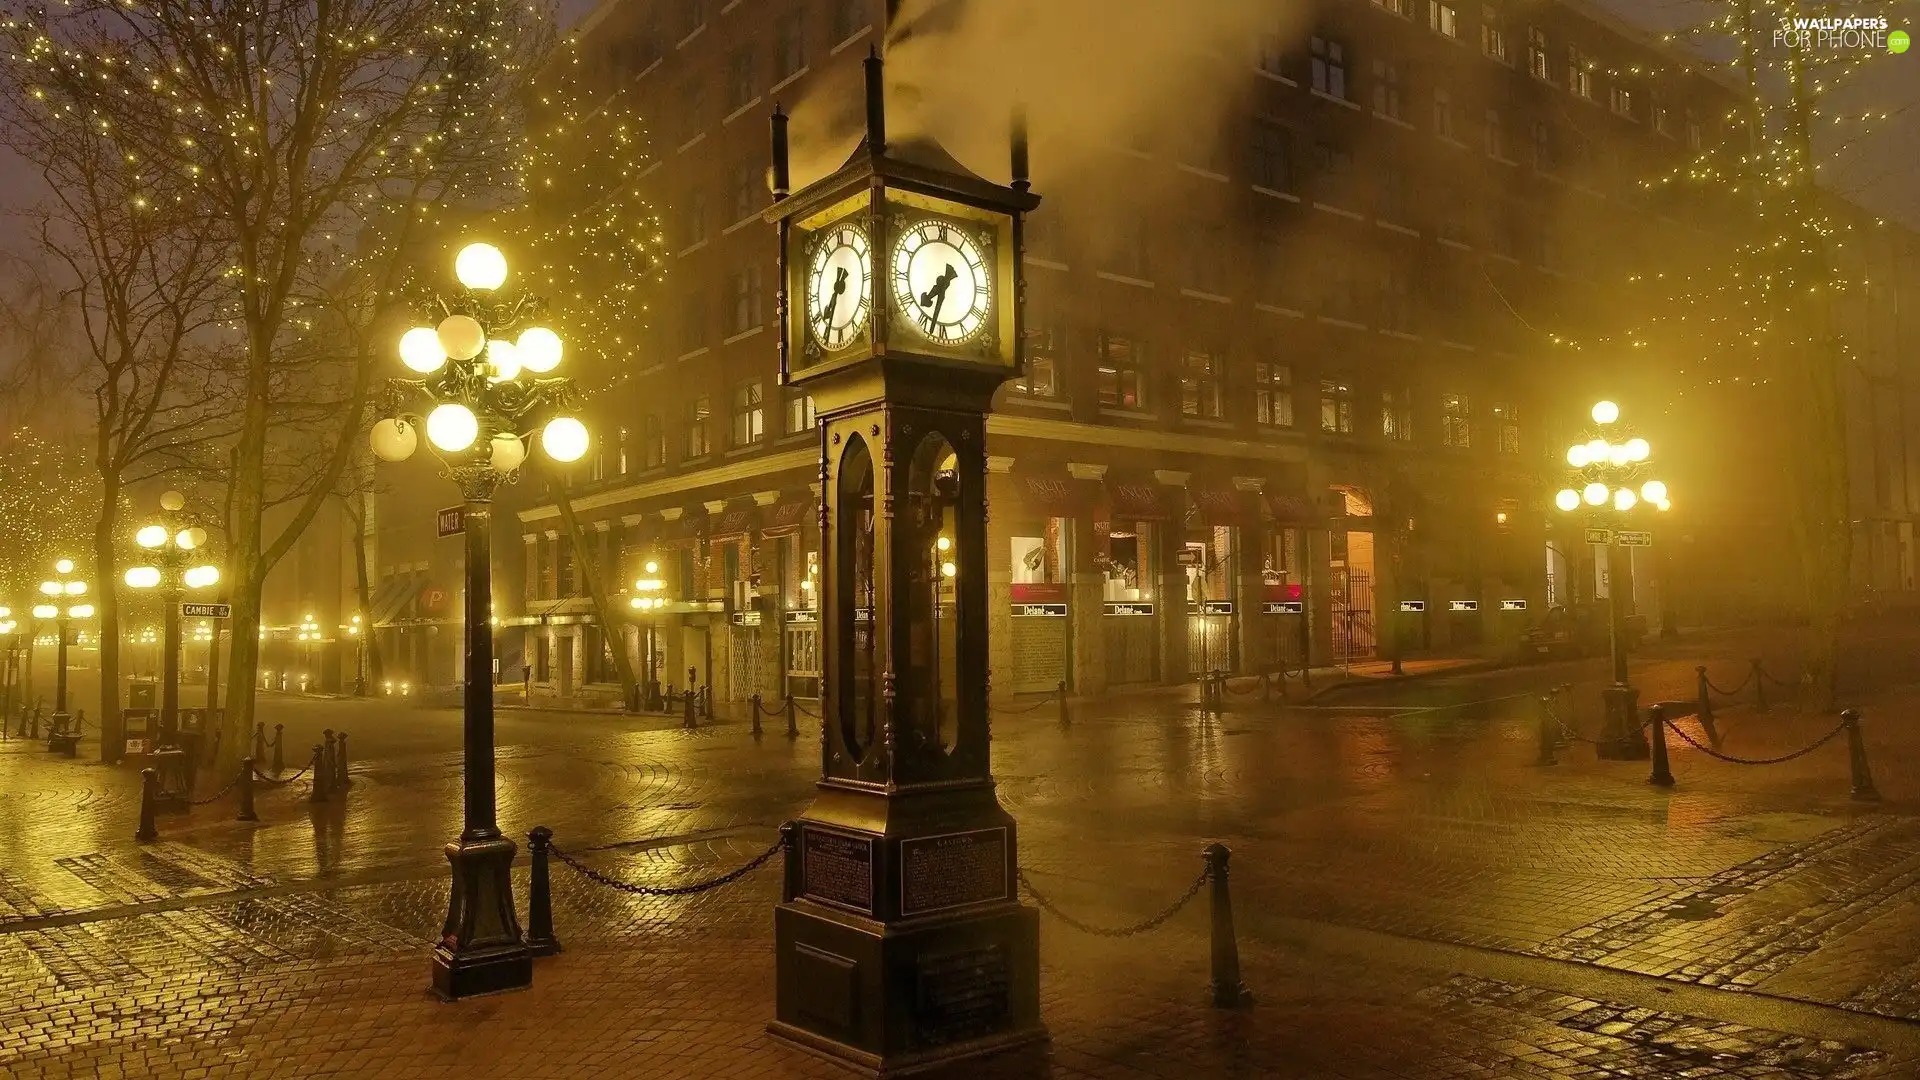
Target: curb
[[1472, 668]]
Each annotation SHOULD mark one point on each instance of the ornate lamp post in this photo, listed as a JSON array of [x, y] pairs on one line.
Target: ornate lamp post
[[359, 657], [9, 673], [900, 312], [63, 592], [172, 546], [1608, 486], [651, 598], [309, 638], [482, 402]]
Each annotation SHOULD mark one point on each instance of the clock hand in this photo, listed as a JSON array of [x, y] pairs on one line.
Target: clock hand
[[839, 286], [936, 297]]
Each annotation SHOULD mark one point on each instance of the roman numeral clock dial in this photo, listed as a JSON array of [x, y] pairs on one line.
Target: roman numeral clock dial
[[940, 282], [837, 291]]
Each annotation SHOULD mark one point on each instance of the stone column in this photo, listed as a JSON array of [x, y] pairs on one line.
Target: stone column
[[1170, 592], [1258, 648], [1319, 592], [1000, 497], [1085, 603]]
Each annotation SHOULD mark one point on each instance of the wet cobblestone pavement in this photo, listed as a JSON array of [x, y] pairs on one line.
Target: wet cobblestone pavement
[[1415, 897]]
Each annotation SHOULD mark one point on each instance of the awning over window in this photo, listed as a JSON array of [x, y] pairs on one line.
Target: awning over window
[[1292, 510], [396, 597], [1139, 502], [789, 515], [731, 523], [1058, 496], [1216, 507]]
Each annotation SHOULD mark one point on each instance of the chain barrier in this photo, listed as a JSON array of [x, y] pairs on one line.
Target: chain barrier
[[1030, 707], [631, 889], [1258, 680], [282, 781], [765, 711], [804, 709], [1151, 923], [1553, 713], [1815, 745], [1735, 690], [218, 795], [1784, 684]]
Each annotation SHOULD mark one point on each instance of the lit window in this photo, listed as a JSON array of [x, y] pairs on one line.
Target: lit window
[[1507, 424], [1273, 394], [1043, 356], [1336, 407], [1200, 384], [1396, 416], [1122, 378], [1621, 100], [1455, 421], [1493, 34], [1579, 74], [1443, 19], [699, 438], [1538, 63], [800, 414], [749, 413]]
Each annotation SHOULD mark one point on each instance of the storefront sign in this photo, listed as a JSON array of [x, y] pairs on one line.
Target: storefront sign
[[1464, 605], [1413, 605], [1039, 611], [1283, 607], [1599, 536], [746, 618], [1513, 605], [1129, 609], [803, 616], [1627, 538], [1216, 607]]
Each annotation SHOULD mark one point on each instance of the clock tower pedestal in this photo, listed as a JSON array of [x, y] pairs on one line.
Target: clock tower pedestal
[[900, 943]]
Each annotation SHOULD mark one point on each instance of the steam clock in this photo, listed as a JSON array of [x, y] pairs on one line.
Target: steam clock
[[901, 942]]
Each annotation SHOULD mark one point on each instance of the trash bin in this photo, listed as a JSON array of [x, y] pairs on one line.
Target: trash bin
[[142, 693]]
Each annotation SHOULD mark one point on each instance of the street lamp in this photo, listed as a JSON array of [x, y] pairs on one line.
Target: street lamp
[[359, 658], [63, 592], [480, 399], [310, 639], [1608, 485], [651, 599], [9, 681], [173, 545]]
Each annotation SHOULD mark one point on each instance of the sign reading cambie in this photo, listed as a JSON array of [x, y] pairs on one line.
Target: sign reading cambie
[[452, 521], [206, 611], [1626, 538]]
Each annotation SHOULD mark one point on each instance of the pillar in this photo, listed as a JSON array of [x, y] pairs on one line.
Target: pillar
[[1258, 649], [1000, 501], [1319, 593], [1085, 607]]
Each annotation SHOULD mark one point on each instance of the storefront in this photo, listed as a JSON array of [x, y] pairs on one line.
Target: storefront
[[1131, 533]]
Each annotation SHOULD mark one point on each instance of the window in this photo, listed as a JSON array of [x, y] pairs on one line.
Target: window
[[848, 17], [1455, 419], [1444, 20], [693, 109], [695, 221], [1272, 156], [749, 181], [1396, 416], [1122, 373], [1336, 407], [1621, 100], [1329, 68], [1579, 75], [598, 470], [653, 442], [800, 415], [1449, 210], [741, 86], [693, 322], [699, 439], [1336, 167], [1393, 193], [1129, 246], [1273, 394], [1200, 384], [744, 287], [1396, 300], [1543, 155], [1274, 44], [1443, 112], [1386, 89], [1507, 423], [621, 460], [1538, 63], [1493, 34], [749, 413], [789, 45], [1494, 133], [1402, 8], [1043, 362]]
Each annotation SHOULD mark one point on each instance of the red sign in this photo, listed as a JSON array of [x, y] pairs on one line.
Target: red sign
[[433, 600], [1279, 593], [1034, 592]]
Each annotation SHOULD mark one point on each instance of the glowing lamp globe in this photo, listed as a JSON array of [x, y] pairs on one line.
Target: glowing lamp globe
[[1654, 491], [452, 427], [1619, 455], [508, 453], [1597, 451], [421, 351], [172, 500], [1624, 499], [461, 336], [50, 588], [564, 439], [1577, 455], [394, 440], [1664, 505], [652, 567], [45, 611], [1639, 450], [1605, 412], [152, 536], [188, 539], [503, 360], [1596, 494], [1567, 499], [76, 588], [64, 566], [946, 569], [199, 577], [480, 266], [81, 611], [540, 349], [143, 577]]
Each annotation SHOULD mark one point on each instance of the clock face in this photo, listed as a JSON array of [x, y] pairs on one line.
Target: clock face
[[940, 282], [837, 288]]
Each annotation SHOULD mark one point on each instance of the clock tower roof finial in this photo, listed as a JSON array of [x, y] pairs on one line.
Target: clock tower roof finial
[[876, 106]]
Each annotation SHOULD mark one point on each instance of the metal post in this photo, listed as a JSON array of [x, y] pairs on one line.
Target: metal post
[[260, 741], [793, 727], [59, 675], [213, 672], [1546, 732], [688, 722], [756, 716], [540, 939], [1705, 708], [1759, 687], [170, 663], [149, 784], [1662, 775], [279, 756], [1863, 788], [1066, 717], [246, 792], [318, 770], [1228, 991], [341, 780], [329, 762]]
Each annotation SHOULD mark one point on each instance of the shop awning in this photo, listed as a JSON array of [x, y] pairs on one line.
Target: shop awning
[[1138, 502], [1292, 510], [1218, 507], [730, 524], [396, 595], [1058, 496], [789, 515]]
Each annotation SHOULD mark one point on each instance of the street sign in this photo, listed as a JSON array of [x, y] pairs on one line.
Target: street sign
[[206, 611], [1599, 536], [1513, 605], [1128, 608], [1283, 607], [1039, 611], [452, 521], [1216, 607], [1413, 605], [802, 617], [1626, 538], [1464, 605]]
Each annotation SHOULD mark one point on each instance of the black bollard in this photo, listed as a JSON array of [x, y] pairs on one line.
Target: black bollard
[[1228, 991], [756, 716], [689, 722], [36, 723], [793, 882], [706, 701], [260, 741], [149, 787], [1546, 732], [341, 780], [1863, 788], [1662, 775], [1759, 687], [1705, 710], [1066, 717], [246, 792], [279, 740], [328, 763], [793, 726], [540, 940], [319, 773]]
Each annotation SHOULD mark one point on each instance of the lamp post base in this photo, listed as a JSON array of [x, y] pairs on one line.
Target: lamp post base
[[1622, 738], [480, 950]]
